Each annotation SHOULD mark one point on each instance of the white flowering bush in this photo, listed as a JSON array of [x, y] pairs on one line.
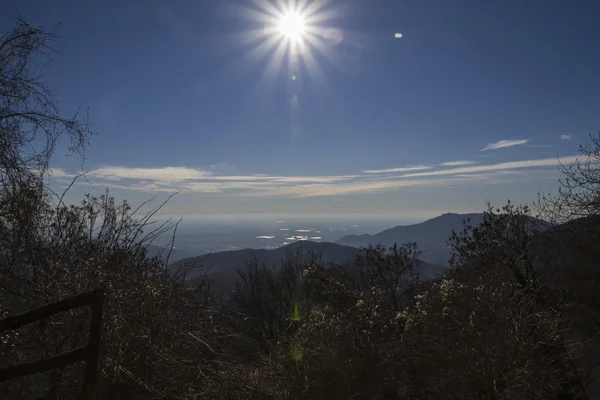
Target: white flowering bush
[[8, 339], [464, 336]]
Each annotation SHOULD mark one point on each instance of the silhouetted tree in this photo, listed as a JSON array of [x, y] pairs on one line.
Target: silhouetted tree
[[31, 124], [394, 270], [156, 327], [573, 243]]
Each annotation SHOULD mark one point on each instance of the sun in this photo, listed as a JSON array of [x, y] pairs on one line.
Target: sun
[[292, 36], [292, 25]]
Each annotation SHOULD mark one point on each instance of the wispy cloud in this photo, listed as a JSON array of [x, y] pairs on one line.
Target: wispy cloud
[[504, 143], [313, 179], [149, 187], [400, 169], [457, 163], [566, 137], [189, 180], [545, 162], [167, 174], [281, 179], [59, 173], [357, 187]]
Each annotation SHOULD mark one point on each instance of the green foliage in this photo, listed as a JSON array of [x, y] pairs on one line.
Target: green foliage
[[393, 270]]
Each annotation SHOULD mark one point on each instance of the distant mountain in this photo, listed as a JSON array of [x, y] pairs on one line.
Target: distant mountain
[[224, 265], [431, 236], [154, 250]]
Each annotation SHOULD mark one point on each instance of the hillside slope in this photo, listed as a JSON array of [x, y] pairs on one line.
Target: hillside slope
[[224, 265]]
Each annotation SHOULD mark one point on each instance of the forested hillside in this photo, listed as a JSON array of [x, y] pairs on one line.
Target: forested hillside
[[223, 268]]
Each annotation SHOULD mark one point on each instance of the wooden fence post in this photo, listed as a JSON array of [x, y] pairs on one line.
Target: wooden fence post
[[88, 353]]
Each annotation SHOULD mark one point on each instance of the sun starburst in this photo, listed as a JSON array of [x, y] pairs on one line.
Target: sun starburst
[[291, 33], [291, 25], [295, 38]]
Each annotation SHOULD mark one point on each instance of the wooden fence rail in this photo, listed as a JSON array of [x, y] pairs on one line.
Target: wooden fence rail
[[88, 353]]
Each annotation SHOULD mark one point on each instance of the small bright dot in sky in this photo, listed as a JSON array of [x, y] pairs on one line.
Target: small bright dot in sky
[[398, 36], [292, 25]]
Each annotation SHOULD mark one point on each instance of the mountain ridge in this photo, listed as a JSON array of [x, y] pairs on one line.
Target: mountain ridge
[[430, 235]]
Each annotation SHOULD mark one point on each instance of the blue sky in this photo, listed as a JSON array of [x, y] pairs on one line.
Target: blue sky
[[474, 102]]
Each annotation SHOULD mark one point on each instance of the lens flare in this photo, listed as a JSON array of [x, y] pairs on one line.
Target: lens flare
[[333, 36]]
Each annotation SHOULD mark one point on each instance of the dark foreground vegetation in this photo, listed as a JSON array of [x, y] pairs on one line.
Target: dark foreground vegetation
[[516, 317]]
